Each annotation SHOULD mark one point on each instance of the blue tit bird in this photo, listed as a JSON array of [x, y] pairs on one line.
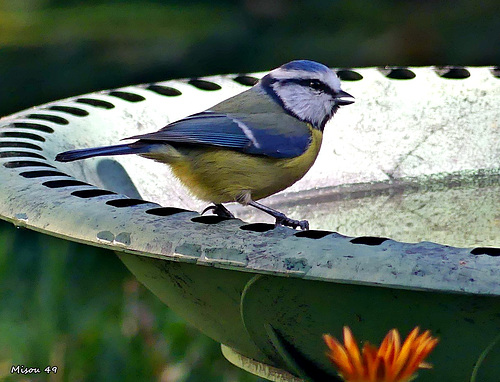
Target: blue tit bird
[[247, 147]]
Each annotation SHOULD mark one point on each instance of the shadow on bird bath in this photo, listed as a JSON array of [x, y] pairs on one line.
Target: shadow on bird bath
[[115, 178]]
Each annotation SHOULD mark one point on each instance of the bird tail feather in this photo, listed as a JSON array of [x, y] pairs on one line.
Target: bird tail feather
[[69, 156]]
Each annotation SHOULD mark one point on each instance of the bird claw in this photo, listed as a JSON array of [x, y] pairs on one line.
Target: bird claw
[[281, 218], [219, 210], [287, 222]]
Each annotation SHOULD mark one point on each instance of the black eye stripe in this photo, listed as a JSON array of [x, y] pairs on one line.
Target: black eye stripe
[[311, 83], [316, 84]]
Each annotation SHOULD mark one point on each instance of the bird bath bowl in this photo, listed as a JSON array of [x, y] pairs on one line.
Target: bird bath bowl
[[416, 159]]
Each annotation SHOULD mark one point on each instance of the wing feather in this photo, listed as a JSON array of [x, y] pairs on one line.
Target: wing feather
[[257, 134]]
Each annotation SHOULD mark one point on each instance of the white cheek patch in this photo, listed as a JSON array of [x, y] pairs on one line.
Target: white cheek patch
[[248, 132], [305, 103]]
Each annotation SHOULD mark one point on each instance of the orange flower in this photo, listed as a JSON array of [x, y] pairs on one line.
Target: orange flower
[[389, 363]]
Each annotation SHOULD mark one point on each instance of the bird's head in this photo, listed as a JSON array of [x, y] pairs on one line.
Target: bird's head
[[307, 90]]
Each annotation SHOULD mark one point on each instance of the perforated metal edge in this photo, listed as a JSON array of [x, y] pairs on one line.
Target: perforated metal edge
[[67, 200]]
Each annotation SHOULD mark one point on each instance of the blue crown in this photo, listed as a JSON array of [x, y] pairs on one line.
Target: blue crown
[[306, 65]]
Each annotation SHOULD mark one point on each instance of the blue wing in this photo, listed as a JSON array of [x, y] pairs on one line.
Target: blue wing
[[268, 134]]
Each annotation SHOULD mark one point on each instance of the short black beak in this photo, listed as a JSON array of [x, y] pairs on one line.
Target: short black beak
[[343, 98]]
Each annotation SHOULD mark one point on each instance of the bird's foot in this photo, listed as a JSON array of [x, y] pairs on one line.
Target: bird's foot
[[287, 222], [281, 218], [219, 210]]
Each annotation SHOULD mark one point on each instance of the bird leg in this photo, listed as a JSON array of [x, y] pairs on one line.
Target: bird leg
[[281, 218], [219, 210]]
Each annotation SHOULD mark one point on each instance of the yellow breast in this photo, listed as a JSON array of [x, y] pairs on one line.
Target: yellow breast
[[221, 176]]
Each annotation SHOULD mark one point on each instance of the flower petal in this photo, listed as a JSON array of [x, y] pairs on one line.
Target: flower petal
[[373, 363], [339, 356], [405, 353], [419, 353], [353, 350]]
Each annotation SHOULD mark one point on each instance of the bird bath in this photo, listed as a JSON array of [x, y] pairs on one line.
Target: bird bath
[[415, 159]]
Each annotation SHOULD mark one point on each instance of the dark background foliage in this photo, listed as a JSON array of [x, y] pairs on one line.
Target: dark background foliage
[[77, 307]]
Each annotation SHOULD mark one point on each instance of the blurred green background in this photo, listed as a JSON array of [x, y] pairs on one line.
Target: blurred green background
[[78, 308]]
